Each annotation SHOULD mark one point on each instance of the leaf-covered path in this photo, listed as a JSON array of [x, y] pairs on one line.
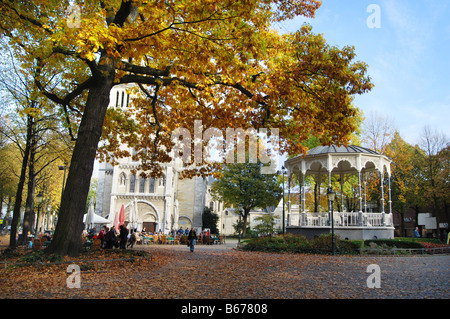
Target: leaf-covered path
[[221, 272]]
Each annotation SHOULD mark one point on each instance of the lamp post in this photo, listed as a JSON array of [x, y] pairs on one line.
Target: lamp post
[[240, 225], [331, 195], [283, 170]]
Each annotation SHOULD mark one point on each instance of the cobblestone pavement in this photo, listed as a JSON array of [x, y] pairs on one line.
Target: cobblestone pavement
[[302, 276]]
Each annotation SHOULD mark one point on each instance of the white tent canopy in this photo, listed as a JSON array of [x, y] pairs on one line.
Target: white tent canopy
[[97, 219]]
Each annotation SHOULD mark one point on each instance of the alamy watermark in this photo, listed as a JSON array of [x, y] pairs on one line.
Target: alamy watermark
[[73, 13], [374, 19], [235, 146], [74, 279], [374, 279]]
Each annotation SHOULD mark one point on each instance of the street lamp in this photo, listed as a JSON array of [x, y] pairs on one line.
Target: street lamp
[[283, 170], [240, 224], [39, 198], [331, 195]]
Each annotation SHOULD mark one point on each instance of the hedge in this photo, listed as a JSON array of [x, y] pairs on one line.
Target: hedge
[[323, 244], [393, 243], [299, 244]]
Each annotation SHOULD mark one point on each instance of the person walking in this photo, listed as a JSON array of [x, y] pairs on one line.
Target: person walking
[[192, 237], [132, 239], [123, 237]]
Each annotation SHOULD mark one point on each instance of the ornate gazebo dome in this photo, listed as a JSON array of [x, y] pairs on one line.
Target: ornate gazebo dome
[[339, 159], [340, 149], [324, 161]]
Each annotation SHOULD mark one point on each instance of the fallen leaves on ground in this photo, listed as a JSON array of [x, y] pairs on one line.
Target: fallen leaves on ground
[[175, 273]]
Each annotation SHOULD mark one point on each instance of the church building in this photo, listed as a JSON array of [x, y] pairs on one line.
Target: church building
[[153, 205]]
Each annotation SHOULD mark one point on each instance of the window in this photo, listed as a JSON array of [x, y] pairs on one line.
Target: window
[[211, 205], [132, 183], [117, 98], [142, 185], [151, 188]]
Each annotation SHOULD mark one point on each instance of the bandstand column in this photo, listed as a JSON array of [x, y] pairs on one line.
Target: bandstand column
[[390, 199], [361, 220], [359, 191], [303, 194], [382, 190], [319, 178], [342, 192], [289, 201], [365, 193], [390, 203]]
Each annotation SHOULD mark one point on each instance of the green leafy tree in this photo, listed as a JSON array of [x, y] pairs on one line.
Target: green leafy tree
[[266, 224], [244, 187], [210, 220]]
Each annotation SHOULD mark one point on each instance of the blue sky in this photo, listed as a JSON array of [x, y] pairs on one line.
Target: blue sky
[[408, 57]]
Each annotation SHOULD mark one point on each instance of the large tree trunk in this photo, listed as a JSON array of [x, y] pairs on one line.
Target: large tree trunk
[[67, 237], [19, 191], [28, 218]]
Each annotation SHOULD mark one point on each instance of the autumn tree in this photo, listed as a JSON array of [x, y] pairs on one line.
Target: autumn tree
[[377, 131], [220, 62], [8, 180], [405, 174], [434, 169], [33, 129]]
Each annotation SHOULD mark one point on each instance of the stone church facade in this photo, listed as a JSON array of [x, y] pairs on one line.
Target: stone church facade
[[161, 204]]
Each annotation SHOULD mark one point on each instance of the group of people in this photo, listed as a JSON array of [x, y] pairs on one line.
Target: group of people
[[123, 239], [182, 232], [110, 238]]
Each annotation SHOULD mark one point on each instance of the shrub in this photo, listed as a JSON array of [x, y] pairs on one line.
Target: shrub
[[394, 243], [299, 244], [33, 257]]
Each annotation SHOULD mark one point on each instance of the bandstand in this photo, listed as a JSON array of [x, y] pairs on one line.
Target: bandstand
[[322, 163]]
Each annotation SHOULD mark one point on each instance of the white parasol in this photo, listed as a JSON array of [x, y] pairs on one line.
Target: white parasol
[[89, 217]]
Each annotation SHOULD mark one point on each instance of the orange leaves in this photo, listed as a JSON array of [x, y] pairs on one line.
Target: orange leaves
[[218, 62]]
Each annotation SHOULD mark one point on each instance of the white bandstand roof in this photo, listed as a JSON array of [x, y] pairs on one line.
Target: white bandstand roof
[[338, 160]]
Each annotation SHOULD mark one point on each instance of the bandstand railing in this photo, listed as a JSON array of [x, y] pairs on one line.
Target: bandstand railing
[[341, 219]]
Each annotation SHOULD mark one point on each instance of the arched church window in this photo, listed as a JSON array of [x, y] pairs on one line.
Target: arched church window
[[151, 188], [142, 185], [132, 183]]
